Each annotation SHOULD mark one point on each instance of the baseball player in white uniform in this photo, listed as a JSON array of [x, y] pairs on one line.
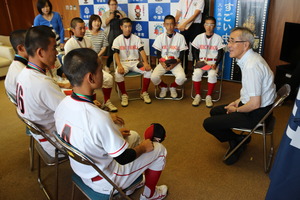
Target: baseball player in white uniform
[[17, 40], [211, 52], [37, 94], [92, 131], [127, 48], [169, 45], [81, 41]]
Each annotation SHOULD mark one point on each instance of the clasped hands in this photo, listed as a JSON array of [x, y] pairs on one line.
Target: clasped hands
[[232, 107]]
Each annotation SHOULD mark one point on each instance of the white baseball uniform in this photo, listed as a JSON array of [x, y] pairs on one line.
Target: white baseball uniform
[[93, 132], [38, 96], [14, 70], [169, 47], [208, 52], [129, 55], [72, 43]]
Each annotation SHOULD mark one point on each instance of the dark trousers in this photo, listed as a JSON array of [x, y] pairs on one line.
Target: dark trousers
[[220, 124], [189, 35]]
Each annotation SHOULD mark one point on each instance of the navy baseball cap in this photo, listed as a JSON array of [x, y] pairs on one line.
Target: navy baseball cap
[[155, 132]]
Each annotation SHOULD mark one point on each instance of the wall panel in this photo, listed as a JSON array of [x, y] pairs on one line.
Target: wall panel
[[279, 13]]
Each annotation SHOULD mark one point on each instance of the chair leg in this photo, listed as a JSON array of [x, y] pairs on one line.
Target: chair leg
[[40, 179], [73, 191], [268, 156], [56, 172], [31, 152]]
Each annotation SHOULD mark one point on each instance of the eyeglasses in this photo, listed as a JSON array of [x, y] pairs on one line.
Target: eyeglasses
[[211, 25], [231, 41]]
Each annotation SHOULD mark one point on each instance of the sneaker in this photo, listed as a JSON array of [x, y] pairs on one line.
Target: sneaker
[[197, 100], [106, 69], [160, 193], [209, 102], [111, 106], [135, 187], [163, 92], [145, 97], [173, 92], [124, 101]]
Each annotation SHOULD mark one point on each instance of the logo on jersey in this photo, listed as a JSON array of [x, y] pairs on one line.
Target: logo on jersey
[[159, 29], [66, 133]]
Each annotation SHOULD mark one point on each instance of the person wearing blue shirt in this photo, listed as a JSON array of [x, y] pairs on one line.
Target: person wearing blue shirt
[[49, 18]]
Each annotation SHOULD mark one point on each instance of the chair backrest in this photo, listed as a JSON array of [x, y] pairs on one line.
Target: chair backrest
[[82, 158], [282, 94], [34, 128], [11, 98]]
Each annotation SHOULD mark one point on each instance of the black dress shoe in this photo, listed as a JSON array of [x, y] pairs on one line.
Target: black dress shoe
[[236, 155]]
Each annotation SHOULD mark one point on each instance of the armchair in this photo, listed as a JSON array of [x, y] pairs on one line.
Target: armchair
[[7, 54]]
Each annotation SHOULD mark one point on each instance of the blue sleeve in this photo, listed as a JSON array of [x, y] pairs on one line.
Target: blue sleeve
[[61, 30], [36, 21]]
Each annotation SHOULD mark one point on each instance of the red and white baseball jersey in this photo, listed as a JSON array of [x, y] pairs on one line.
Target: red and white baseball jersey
[[128, 47], [14, 70], [38, 96], [170, 46], [92, 131], [208, 47], [72, 43]]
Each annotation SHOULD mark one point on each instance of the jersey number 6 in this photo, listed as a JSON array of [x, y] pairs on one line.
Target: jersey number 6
[[19, 98]]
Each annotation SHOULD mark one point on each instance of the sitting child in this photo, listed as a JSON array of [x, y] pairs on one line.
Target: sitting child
[[127, 48], [17, 40], [170, 48], [93, 132], [79, 40], [209, 52]]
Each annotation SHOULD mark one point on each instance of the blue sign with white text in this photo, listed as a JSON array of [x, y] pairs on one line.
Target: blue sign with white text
[[158, 11], [86, 11], [140, 29], [100, 1], [137, 1], [225, 14]]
